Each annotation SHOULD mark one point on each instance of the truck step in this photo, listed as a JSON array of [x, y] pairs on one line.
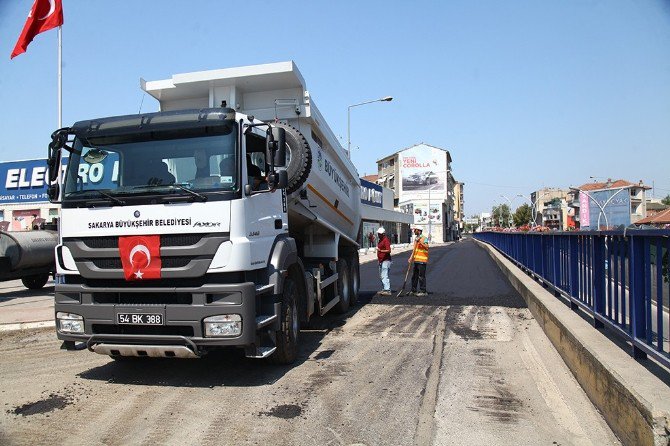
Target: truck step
[[262, 352], [330, 305], [265, 319], [264, 289], [324, 283]]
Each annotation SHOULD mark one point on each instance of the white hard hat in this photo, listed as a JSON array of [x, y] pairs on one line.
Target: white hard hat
[[381, 230], [417, 227]]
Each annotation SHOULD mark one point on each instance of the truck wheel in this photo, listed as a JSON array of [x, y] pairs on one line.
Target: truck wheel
[[343, 286], [298, 157], [35, 282], [289, 326], [355, 277]]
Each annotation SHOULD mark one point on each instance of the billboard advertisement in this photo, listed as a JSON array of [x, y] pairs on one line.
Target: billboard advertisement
[[616, 203], [23, 181], [584, 214], [423, 214], [423, 171], [26, 181]]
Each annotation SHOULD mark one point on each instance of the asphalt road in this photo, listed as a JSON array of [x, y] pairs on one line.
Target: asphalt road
[[465, 365]]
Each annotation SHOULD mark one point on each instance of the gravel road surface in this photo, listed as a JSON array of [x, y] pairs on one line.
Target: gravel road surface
[[465, 365]]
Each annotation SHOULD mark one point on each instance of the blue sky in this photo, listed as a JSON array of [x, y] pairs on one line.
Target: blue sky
[[524, 93]]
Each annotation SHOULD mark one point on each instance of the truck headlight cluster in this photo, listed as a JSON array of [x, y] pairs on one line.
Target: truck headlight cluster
[[225, 325], [70, 323]]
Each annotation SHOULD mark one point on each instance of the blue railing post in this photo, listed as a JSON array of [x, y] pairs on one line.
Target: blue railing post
[[636, 294], [556, 260], [598, 279], [574, 270]]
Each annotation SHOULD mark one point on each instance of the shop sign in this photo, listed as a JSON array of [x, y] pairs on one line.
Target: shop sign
[[371, 194]]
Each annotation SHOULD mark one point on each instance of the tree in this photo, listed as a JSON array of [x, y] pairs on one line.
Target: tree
[[501, 215], [523, 215], [666, 200]]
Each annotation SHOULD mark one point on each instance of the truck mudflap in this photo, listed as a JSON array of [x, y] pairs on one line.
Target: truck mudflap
[[181, 331]]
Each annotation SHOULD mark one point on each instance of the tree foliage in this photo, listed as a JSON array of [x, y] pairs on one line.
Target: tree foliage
[[523, 215], [501, 215], [666, 200]]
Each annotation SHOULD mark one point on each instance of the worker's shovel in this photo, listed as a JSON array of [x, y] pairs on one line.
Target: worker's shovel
[[402, 290]]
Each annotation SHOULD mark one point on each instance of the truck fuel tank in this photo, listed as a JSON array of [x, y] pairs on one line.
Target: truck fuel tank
[[29, 249]]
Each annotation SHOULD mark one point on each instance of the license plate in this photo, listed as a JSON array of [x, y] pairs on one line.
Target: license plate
[[139, 318]]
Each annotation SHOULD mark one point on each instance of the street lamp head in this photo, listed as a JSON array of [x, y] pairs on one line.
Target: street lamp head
[[387, 98]]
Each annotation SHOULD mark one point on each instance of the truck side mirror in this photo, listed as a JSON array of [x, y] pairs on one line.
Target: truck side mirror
[[53, 190], [276, 146], [278, 179], [53, 164]]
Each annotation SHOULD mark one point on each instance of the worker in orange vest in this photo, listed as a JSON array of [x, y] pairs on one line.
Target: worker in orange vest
[[420, 259]]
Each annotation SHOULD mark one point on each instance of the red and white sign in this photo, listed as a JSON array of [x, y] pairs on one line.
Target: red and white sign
[[43, 16], [141, 257]]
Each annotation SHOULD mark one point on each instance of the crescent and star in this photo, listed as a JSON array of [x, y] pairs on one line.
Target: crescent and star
[[52, 8], [144, 250]]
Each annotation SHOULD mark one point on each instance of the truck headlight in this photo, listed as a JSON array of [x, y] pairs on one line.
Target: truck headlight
[[225, 325], [70, 323]]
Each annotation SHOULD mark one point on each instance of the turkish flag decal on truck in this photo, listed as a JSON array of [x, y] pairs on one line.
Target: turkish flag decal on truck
[[141, 256]]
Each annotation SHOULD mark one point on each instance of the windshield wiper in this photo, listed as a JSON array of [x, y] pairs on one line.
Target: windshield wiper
[[193, 193], [190, 191], [110, 197]]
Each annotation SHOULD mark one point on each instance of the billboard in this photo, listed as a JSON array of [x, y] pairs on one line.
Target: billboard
[[423, 214], [423, 171], [584, 210], [615, 202], [26, 181], [23, 181]]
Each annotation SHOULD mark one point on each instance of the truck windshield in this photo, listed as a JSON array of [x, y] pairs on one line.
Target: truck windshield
[[205, 164]]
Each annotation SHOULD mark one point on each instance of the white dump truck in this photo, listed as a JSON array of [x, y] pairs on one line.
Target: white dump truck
[[228, 218]]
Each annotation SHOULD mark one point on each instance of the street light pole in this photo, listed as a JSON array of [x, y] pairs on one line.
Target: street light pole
[[509, 218], [532, 205], [384, 99]]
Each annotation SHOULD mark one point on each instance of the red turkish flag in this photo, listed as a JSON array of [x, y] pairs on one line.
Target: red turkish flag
[[141, 256], [43, 16]]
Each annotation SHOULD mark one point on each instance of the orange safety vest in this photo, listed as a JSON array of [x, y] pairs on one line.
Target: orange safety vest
[[420, 253]]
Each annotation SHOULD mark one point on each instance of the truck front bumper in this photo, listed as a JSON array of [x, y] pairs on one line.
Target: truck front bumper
[[182, 309]]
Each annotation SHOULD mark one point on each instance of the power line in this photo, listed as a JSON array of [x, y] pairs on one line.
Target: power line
[[497, 185]]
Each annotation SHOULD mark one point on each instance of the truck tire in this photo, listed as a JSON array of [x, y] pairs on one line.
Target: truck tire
[[343, 286], [35, 282], [289, 326], [298, 156], [355, 278]]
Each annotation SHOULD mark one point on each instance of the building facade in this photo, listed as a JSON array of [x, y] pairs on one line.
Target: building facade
[[610, 204], [423, 186], [550, 207], [377, 211]]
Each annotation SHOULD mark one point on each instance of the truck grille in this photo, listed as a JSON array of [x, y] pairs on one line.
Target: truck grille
[[143, 298], [166, 262], [182, 255], [165, 330], [166, 240]]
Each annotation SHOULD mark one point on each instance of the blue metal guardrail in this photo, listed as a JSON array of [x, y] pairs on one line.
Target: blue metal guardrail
[[619, 277]]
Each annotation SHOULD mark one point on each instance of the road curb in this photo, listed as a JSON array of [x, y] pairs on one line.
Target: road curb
[[634, 402], [26, 325]]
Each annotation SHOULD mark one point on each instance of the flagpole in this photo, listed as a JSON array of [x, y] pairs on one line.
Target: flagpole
[[60, 77]]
